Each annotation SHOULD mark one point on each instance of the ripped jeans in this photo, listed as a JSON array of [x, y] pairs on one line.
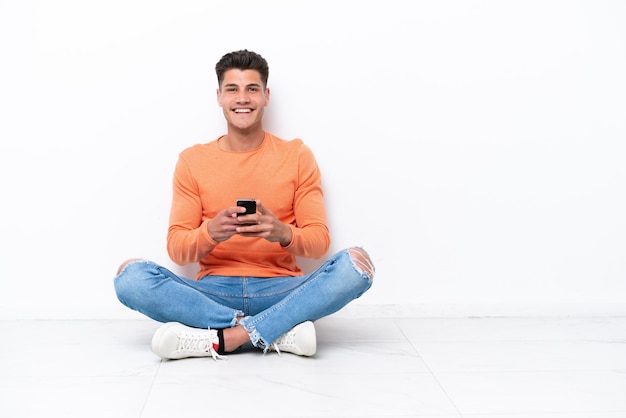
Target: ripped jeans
[[266, 307]]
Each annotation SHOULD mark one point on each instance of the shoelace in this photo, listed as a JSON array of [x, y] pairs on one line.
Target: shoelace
[[194, 343], [285, 339], [275, 347]]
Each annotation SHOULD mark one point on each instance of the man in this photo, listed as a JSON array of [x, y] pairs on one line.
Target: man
[[249, 288]]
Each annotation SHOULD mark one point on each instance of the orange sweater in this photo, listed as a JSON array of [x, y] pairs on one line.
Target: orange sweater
[[282, 174]]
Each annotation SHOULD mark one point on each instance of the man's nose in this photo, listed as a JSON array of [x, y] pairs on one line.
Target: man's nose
[[243, 97]]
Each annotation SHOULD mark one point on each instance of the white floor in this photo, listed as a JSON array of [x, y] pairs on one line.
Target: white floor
[[484, 367]]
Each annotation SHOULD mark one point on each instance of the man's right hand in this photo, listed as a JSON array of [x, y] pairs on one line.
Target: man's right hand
[[225, 224]]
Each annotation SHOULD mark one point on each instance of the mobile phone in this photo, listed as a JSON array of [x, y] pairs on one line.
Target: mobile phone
[[249, 204]]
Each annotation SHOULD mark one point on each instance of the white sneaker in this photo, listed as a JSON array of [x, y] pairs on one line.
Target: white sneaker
[[175, 341], [299, 340]]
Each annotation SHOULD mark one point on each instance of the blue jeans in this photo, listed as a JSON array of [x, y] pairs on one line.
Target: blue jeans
[[266, 307]]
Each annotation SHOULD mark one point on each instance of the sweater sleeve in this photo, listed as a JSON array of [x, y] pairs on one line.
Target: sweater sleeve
[[188, 238], [311, 237]]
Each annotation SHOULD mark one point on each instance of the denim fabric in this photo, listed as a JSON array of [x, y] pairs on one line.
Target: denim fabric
[[269, 306]]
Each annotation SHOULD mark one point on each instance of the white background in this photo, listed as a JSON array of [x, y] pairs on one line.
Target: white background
[[475, 148]]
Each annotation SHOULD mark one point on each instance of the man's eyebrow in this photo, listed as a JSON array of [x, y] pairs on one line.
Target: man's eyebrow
[[237, 85]]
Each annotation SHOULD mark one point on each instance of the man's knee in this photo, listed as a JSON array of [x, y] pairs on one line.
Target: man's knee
[[124, 264], [362, 261]]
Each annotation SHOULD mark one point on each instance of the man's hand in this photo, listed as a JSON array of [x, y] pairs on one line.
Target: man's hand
[[225, 224], [263, 224]]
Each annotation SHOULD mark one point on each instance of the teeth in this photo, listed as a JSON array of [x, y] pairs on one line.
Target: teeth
[[242, 111]]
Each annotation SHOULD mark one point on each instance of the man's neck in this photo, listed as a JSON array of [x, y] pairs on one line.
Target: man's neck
[[242, 141]]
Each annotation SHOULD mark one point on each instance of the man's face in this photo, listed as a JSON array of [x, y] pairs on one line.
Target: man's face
[[243, 98]]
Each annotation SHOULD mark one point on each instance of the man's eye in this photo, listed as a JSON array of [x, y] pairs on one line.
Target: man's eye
[[253, 89], [231, 89]]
